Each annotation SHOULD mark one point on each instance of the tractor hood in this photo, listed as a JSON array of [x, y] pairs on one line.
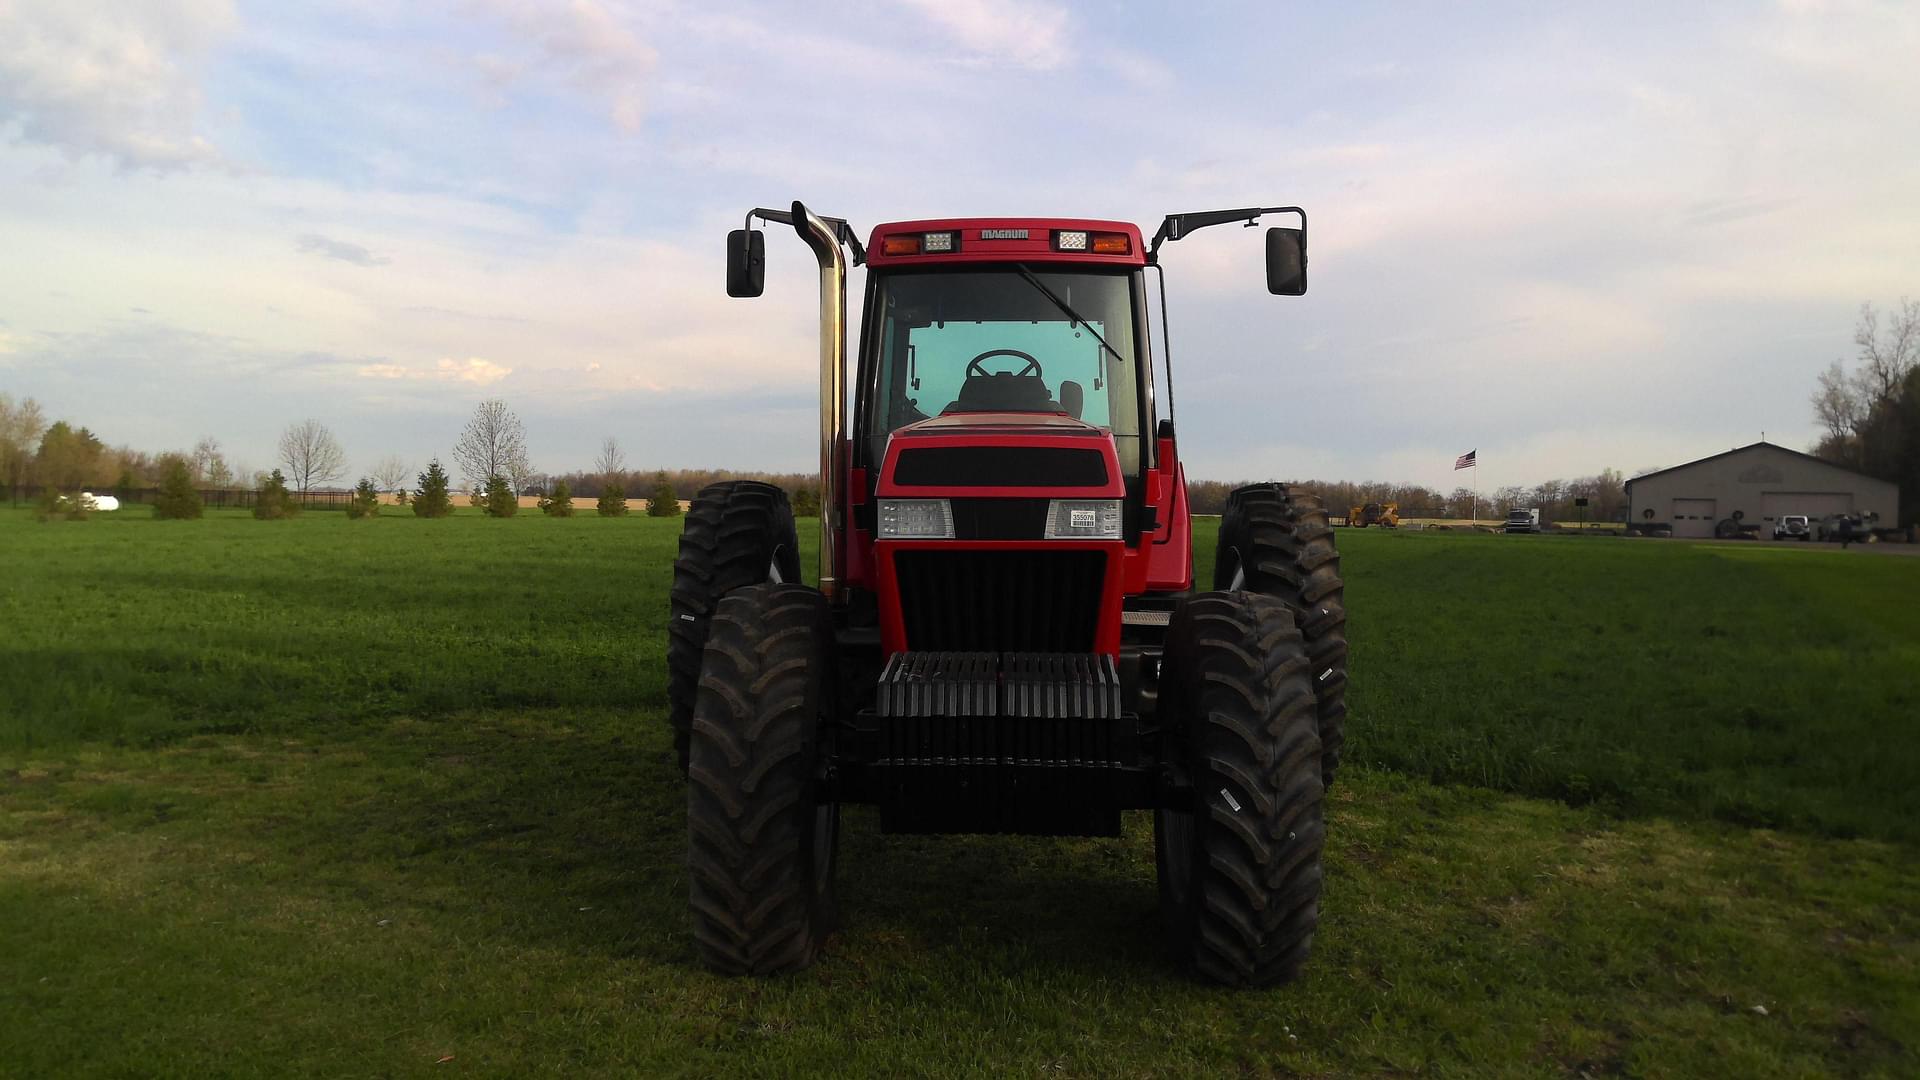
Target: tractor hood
[[1002, 454]]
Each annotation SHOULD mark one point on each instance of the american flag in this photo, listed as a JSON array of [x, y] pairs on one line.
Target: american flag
[[1464, 461]]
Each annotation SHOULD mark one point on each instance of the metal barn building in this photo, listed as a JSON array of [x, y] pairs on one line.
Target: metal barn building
[[1761, 481]]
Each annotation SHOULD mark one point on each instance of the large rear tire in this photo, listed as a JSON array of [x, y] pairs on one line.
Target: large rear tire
[[1239, 867], [760, 844], [1281, 545], [736, 533]]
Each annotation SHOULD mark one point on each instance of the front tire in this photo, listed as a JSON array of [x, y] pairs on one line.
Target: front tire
[[736, 533], [1239, 865], [761, 846], [1281, 545]]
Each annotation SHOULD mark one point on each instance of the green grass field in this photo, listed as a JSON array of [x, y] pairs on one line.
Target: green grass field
[[356, 797]]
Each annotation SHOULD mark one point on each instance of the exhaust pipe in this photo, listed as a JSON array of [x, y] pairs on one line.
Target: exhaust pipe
[[825, 243]]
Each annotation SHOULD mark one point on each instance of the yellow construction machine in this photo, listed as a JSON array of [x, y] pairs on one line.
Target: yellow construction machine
[[1385, 515]]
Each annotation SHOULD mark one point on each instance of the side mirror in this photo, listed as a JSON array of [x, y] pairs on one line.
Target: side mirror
[[1286, 261], [746, 262]]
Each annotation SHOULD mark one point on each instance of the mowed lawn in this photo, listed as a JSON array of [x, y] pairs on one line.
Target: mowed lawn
[[394, 798]]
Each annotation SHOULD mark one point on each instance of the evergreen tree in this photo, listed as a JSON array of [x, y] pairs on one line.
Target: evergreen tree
[[806, 502], [499, 500], [124, 486], [365, 502], [612, 501], [663, 502], [432, 500], [55, 505], [177, 498], [560, 502], [274, 502]]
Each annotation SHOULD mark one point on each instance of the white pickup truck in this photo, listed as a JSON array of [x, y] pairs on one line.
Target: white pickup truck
[[1523, 520]]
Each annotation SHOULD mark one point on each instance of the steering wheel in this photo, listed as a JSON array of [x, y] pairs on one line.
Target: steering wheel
[[974, 368]]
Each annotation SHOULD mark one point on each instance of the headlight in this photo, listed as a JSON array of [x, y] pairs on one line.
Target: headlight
[[915, 519], [1083, 519]]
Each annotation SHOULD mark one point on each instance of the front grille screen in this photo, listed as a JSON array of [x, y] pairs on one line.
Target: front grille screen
[[1000, 601], [999, 519], [1000, 466]]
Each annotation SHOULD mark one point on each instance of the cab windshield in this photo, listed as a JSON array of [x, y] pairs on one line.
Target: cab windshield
[[989, 341]]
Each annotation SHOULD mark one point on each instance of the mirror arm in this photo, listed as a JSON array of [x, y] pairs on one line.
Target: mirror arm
[[1177, 226], [841, 230]]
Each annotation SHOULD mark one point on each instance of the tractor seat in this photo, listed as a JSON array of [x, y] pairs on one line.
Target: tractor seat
[[1003, 391]]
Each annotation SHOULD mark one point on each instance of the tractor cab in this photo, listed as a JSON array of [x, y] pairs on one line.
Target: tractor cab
[[1003, 407], [1004, 636]]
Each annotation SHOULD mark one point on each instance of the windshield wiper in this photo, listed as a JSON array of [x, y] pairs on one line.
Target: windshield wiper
[[1077, 318]]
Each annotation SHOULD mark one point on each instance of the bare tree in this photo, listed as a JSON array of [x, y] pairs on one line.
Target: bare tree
[[1607, 492], [208, 464], [1838, 403], [1856, 407], [1886, 358], [611, 464], [312, 455], [202, 456], [493, 444], [20, 429], [391, 473]]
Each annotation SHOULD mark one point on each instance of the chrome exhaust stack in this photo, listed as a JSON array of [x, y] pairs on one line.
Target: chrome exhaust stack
[[825, 242], [746, 276]]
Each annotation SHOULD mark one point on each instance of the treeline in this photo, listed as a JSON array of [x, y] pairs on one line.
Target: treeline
[[686, 483], [34, 453], [1872, 413], [66, 457], [1605, 492]]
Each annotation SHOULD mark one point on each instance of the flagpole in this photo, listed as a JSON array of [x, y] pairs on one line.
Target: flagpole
[[1471, 460]]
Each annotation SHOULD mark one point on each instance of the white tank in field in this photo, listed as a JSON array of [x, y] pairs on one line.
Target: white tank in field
[[99, 502]]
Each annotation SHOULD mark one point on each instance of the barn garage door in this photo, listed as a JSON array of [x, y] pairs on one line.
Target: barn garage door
[[1693, 517], [1814, 504]]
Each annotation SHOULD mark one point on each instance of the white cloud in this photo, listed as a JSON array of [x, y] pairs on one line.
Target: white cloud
[[118, 79], [474, 370], [471, 370], [1003, 33], [581, 43], [315, 244]]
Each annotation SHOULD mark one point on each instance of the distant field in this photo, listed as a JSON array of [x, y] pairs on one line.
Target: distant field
[[1755, 684], [331, 796]]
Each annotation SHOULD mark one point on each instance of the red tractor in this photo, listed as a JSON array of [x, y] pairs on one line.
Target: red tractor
[[1005, 636]]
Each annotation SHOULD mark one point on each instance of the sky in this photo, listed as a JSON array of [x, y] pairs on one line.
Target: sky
[[1570, 237]]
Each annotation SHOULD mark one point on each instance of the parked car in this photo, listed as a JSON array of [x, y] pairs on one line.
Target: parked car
[[1792, 527], [1835, 528], [1523, 520]]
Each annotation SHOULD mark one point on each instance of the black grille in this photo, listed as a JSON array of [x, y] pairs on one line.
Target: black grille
[[1000, 466], [1000, 601], [999, 519]]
